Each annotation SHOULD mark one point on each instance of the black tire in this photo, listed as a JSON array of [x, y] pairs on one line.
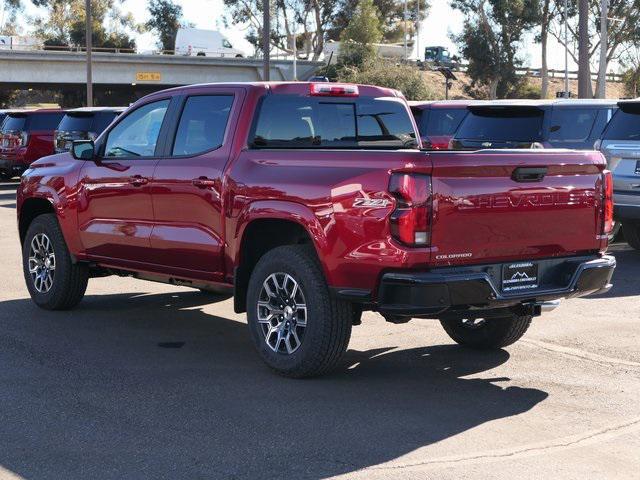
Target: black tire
[[490, 334], [631, 232], [69, 280], [328, 330], [615, 231]]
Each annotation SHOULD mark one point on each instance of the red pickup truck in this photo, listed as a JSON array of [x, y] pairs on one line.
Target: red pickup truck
[[310, 203]]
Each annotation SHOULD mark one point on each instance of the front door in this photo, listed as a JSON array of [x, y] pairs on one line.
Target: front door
[[115, 214], [188, 235]]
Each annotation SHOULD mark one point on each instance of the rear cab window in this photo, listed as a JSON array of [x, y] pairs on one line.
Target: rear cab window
[[365, 122], [503, 124]]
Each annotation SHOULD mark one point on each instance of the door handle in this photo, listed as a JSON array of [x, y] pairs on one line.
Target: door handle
[[138, 180], [529, 174], [203, 182]]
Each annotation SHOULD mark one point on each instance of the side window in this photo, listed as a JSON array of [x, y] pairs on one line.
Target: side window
[[137, 134], [202, 124]]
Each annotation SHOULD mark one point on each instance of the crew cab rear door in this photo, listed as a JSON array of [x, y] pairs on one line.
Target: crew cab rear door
[[494, 206], [187, 189]]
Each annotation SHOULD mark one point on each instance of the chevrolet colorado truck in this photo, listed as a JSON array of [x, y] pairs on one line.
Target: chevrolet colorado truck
[[310, 203]]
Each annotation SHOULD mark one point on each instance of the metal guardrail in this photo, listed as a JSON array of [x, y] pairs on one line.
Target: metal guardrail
[[555, 73]]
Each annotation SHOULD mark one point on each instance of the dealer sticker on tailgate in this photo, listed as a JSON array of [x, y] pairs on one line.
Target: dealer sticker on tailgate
[[519, 276]]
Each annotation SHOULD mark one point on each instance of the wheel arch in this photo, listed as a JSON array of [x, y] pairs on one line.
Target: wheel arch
[[30, 209], [265, 226]]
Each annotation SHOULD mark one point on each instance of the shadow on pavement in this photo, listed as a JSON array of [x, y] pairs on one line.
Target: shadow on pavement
[[91, 394], [625, 277]]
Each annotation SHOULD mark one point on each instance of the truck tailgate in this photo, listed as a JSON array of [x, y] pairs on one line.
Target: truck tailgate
[[499, 206]]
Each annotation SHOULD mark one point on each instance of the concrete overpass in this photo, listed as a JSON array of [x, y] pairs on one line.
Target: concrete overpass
[[22, 69]]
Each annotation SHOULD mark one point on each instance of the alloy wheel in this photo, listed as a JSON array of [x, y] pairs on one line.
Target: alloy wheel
[[42, 262], [282, 313]]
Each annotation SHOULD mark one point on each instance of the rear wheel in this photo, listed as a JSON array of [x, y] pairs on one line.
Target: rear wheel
[[298, 328], [631, 232], [53, 280], [491, 333]]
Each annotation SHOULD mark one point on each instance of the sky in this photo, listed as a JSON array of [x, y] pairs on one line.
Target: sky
[[435, 30]]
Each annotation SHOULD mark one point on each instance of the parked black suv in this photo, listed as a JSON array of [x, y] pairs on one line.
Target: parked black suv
[[575, 124], [83, 124]]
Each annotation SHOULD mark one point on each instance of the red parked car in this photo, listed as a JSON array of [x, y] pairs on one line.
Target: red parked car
[[438, 121], [25, 137], [309, 203]]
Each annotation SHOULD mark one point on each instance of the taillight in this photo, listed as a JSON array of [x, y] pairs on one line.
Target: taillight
[[607, 202], [440, 145], [411, 220], [333, 90]]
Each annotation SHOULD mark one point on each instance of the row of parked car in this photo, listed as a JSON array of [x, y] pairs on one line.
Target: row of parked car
[[27, 135], [608, 126]]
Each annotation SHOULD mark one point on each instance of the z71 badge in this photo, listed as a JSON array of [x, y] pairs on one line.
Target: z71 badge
[[370, 202]]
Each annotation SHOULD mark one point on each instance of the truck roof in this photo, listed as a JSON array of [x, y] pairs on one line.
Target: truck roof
[[282, 88]]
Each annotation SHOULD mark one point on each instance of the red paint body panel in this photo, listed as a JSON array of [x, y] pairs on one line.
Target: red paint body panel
[[173, 227]]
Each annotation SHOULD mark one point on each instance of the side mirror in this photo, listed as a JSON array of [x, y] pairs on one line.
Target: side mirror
[[83, 149]]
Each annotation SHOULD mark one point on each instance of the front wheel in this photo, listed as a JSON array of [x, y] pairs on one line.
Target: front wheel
[[54, 281], [490, 333], [297, 327]]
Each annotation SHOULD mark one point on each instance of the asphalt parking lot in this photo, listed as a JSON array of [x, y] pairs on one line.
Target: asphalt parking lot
[[145, 380]]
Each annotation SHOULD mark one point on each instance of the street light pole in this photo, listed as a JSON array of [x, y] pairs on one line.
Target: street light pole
[[418, 30], [266, 40], [566, 47], [89, 35], [604, 44], [405, 30]]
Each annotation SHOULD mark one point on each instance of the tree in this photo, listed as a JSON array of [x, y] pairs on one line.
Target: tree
[[165, 19], [64, 23], [364, 29], [307, 19], [406, 78], [490, 38], [10, 9], [623, 32], [390, 12], [547, 14]]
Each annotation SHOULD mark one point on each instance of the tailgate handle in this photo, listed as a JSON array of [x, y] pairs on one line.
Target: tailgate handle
[[529, 174]]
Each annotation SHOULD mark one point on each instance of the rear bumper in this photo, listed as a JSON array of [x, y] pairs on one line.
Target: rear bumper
[[479, 286], [11, 167]]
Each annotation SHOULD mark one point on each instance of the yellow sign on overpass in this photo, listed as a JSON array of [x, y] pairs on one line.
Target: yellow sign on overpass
[[148, 77]]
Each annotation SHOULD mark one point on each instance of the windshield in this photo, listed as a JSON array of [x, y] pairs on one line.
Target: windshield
[[291, 121], [503, 125], [625, 125]]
